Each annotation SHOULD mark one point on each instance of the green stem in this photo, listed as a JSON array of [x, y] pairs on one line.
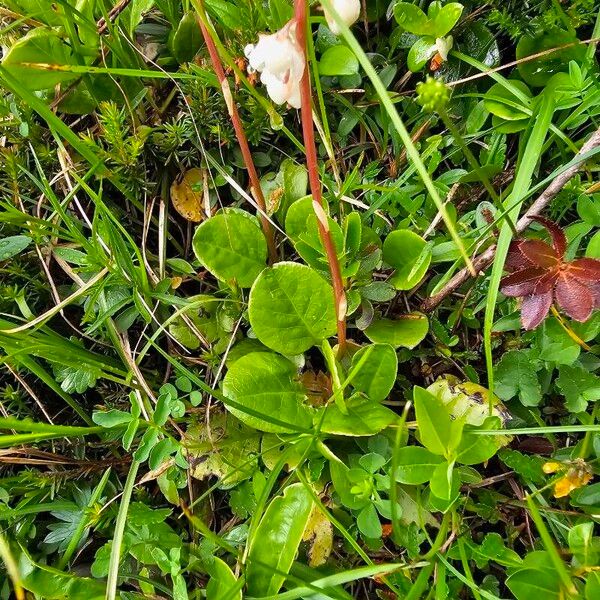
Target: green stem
[[458, 138], [411, 150], [522, 183], [557, 561], [117, 541], [83, 523], [422, 580]]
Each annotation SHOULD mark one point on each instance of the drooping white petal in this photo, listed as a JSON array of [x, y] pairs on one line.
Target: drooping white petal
[[348, 11], [280, 61], [443, 46]]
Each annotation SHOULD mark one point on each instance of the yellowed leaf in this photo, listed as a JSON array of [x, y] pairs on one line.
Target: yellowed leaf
[[319, 533], [187, 201]]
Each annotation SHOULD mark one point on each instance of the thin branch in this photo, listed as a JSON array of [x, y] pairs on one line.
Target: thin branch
[[482, 261], [318, 202], [255, 188]]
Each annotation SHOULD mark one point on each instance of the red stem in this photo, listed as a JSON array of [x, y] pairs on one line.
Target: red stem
[[255, 188], [319, 204]]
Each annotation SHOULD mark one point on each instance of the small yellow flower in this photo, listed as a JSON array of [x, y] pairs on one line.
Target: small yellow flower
[[578, 474]]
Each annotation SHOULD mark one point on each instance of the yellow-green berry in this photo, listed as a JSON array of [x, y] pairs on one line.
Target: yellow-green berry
[[432, 94]]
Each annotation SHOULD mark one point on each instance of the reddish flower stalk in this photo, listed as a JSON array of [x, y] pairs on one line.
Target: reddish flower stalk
[[255, 188], [318, 202]]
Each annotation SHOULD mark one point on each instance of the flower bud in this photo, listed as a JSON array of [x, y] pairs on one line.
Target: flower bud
[[280, 61], [432, 94], [347, 10]]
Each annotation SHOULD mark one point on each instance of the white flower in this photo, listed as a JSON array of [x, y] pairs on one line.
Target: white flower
[[280, 61], [443, 46], [348, 11]]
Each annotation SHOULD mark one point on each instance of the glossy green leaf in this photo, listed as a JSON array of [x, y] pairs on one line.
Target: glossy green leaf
[[365, 417], [44, 47], [223, 584], [411, 18], [526, 584], [502, 103], [301, 225], [377, 375], [415, 464], [442, 481], [420, 53], [291, 308], [437, 431], [409, 254], [348, 481], [592, 586], [12, 245], [338, 60], [368, 522], [187, 38], [231, 245], [438, 21], [275, 543], [407, 330], [538, 72], [265, 383], [475, 449], [444, 17]]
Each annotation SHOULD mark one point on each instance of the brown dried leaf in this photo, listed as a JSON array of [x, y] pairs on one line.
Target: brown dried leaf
[[187, 201]]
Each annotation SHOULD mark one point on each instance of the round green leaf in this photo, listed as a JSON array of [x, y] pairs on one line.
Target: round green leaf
[[406, 331], [368, 522], [265, 383], [415, 465], [231, 246], [409, 254], [338, 60], [537, 72], [377, 374], [445, 18], [411, 18], [42, 46], [291, 308], [588, 208]]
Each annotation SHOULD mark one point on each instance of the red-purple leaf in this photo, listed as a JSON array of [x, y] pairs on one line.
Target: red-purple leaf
[[515, 260], [535, 309], [574, 298], [523, 283], [559, 240], [539, 253], [585, 269], [595, 291]]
